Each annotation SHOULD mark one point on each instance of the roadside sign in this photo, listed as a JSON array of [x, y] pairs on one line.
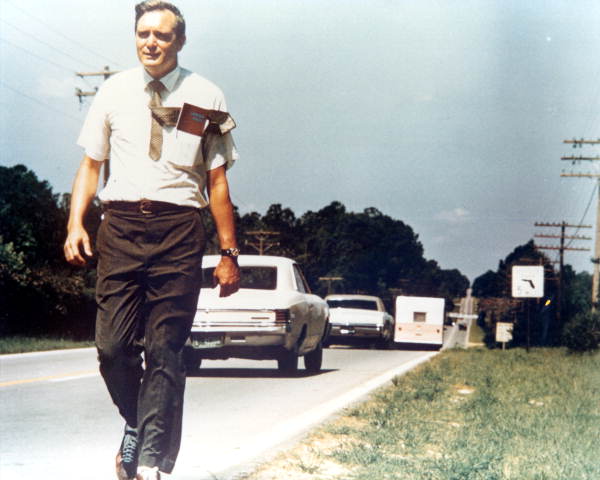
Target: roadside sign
[[463, 315], [527, 281], [504, 332]]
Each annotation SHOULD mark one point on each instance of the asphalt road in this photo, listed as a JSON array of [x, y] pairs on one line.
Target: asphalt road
[[58, 421]]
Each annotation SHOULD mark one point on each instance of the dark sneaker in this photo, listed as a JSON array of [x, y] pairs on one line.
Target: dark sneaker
[[127, 456]]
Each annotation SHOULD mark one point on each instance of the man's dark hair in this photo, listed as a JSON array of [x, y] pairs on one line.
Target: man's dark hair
[[150, 5]]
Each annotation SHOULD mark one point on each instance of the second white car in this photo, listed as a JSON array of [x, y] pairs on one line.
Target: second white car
[[359, 317]]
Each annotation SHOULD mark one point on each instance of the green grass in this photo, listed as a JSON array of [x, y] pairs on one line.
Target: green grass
[[20, 344], [480, 414], [476, 333]]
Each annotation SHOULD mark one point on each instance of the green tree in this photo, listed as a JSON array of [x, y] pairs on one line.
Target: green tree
[[535, 322], [490, 284], [30, 217], [373, 252], [577, 293], [41, 294]]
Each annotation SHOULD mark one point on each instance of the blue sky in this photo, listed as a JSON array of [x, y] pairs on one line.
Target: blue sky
[[449, 115]]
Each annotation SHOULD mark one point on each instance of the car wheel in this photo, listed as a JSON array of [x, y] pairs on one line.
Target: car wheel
[[313, 360], [288, 362], [192, 360]]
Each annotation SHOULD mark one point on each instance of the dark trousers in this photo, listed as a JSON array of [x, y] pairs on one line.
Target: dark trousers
[[149, 275]]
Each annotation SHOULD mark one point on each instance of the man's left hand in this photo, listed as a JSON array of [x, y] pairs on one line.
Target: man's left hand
[[227, 275]]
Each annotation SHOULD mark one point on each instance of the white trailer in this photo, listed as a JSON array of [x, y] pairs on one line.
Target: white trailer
[[419, 320]]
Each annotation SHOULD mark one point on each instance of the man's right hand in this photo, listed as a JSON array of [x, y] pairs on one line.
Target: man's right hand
[[84, 189], [76, 239]]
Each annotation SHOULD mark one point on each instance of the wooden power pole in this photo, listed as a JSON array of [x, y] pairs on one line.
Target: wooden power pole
[[561, 249], [329, 281], [106, 73], [262, 243], [596, 260]]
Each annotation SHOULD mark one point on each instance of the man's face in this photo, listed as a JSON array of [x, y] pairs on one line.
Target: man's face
[[156, 43]]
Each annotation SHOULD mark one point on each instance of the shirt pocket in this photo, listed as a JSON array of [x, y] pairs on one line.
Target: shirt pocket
[[188, 149]]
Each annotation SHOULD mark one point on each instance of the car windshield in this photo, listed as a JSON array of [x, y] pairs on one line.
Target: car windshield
[[360, 304], [257, 278]]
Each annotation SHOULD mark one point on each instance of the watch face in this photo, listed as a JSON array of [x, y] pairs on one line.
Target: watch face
[[230, 252]]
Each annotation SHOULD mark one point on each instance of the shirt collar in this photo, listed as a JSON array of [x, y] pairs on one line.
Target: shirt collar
[[169, 80]]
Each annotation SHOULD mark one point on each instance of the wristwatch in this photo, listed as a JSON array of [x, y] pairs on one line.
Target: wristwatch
[[231, 252]]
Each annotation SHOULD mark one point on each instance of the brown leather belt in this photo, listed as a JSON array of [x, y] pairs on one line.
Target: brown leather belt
[[146, 207]]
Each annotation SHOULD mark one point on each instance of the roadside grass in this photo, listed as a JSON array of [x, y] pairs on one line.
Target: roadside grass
[[472, 414], [476, 333], [20, 344]]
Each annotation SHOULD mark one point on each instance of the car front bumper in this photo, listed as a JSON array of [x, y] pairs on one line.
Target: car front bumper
[[360, 331]]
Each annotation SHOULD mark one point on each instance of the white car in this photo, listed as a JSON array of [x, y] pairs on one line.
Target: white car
[[359, 316], [272, 316]]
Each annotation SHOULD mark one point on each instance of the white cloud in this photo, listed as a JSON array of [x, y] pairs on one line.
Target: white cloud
[[456, 215]]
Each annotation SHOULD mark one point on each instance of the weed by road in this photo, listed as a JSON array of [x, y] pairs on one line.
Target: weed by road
[[467, 414], [20, 344]]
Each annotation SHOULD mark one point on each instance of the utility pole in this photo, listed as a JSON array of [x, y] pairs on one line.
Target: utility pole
[[329, 280], [563, 226], [106, 73], [581, 142], [596, 259], [263, 243]]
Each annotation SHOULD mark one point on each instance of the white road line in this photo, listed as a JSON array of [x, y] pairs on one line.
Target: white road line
[[75, 377], [299, 424]]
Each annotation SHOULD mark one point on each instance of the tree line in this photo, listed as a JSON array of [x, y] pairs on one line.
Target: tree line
[[371, 252], [554, 320]]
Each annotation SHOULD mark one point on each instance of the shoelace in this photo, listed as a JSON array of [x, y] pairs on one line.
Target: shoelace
[[129, 449]]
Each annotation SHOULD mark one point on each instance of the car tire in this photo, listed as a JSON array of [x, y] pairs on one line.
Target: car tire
[[288, 362], [313, 360], [192, 360]]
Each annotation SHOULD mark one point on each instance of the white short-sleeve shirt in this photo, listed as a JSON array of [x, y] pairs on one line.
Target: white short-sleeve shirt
[[118, 126]]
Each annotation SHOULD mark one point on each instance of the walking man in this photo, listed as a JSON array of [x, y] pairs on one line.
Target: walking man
[[167, 133]]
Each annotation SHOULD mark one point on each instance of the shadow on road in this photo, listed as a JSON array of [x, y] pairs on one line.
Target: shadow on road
[[413, 347], [253, 373]]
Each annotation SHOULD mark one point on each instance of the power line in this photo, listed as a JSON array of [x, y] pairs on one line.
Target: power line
[[45, 105], [585, 212], [53, 47], [57, 32], [39, 57], [596, 259], [595, 103], [561, 250]]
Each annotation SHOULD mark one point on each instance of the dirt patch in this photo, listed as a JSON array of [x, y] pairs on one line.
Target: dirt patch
[[311, 459]]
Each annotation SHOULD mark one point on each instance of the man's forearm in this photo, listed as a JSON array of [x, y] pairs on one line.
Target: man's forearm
[[222, 209], [84, 190], [227, 272], [222, 212]]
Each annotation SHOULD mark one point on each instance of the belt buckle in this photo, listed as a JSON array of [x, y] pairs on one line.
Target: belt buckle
[[146, 206]]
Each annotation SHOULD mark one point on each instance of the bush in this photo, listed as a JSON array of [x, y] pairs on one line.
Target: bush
[[582, 333]]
